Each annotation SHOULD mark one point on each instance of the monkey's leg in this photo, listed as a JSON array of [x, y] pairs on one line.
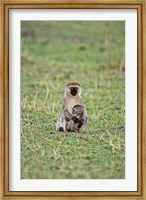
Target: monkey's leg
[[83, 120], [82, 128], [80, 123], [61, 123], [70, 126]]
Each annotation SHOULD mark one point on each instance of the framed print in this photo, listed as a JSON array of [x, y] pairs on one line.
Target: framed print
[[73, 100]]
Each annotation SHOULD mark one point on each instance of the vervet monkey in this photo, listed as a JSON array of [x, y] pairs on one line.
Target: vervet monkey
[[72, 97], [75, 120]]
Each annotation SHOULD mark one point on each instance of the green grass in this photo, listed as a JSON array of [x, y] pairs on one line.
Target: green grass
[[53, 53]]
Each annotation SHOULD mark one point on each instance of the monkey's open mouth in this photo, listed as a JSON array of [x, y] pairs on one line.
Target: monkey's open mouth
[[74, 90]]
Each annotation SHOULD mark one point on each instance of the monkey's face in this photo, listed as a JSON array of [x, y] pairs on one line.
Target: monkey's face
[[78, 110], [73, 90]]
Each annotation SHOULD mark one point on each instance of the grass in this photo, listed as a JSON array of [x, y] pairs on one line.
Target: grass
[[53, 53]]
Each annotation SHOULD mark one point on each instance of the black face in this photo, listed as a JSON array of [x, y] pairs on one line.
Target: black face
[[73, 90]]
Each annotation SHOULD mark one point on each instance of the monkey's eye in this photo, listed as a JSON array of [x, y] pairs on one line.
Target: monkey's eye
[[73, 88]]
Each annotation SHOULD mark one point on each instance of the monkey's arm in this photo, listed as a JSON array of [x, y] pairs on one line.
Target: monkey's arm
[[82, 121], [83, 118], [69, 116], [61, 122]]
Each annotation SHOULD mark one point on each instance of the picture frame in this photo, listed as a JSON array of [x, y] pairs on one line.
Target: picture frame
[[5, 7]]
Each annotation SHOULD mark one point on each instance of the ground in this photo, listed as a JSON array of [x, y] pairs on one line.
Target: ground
[[53, 53]]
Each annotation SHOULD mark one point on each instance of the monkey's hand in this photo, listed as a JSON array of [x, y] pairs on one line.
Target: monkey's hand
[[75, 119]]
